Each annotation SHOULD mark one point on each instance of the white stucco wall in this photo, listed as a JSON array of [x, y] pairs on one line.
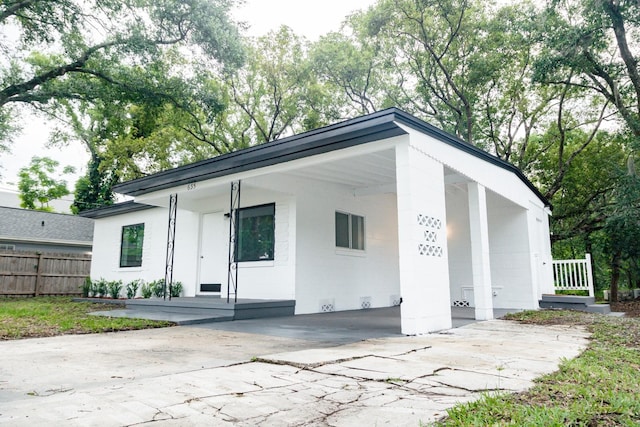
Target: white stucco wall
[[271, 279], [513, 255], [339, 277], [458, 237], [511, 274], [259, 279], [107, 238]]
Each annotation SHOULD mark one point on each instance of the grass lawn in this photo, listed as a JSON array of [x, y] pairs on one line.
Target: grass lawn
[[601, 387], [50, 316]]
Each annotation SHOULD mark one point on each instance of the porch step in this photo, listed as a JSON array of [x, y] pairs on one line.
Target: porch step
[[573, 302], [599, 308], [215, 308], [190, 310], [177, 318]]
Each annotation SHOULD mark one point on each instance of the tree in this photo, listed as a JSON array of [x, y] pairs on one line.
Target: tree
[[93, 190], [145, 52], [595, 38], [103, 42], [437, 49], [353, 68], [271, 91], [622, 230], [40, 183]]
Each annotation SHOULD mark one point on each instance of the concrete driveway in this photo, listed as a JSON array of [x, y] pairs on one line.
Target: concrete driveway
[[186, 376]]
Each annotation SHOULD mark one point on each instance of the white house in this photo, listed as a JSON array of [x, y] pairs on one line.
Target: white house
[[370, 212]]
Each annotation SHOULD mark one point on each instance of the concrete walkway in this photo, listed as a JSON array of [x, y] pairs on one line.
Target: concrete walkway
[[186, 376]]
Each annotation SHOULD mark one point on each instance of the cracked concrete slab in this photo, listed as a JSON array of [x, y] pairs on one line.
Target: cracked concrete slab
[[186, 376]]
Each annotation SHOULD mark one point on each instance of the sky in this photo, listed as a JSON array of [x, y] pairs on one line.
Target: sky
[[310, 19]]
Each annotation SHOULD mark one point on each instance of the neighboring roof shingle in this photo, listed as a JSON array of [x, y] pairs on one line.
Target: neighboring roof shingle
[[43, 226]]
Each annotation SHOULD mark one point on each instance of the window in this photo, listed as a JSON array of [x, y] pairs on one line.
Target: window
[[256, 234], [7, 247], [349, 231], [131, 245]]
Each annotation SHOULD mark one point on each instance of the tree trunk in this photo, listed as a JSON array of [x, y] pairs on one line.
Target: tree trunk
[[615, 275]]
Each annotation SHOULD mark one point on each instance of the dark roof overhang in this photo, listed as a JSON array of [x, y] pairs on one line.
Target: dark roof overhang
[[335, 137], [115, 209], [361, 130]]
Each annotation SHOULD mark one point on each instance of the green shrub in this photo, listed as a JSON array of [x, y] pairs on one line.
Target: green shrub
[[114, 287], [132, 288], [101, 287], [146, 290], [176, 289], [158, 287], [86, 287]]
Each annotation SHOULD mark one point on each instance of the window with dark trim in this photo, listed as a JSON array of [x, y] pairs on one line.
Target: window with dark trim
[[131, 245], [256, 233], [349, 231]]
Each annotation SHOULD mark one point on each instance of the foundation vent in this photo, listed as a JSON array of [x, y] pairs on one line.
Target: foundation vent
[[327, 305], [365, 303], [395, 300], [462, 303]]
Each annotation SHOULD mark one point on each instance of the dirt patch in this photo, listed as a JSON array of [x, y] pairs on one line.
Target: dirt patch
[[630, 308]]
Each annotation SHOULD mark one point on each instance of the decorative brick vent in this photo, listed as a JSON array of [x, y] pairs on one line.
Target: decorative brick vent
[[461, 303], [429, 222], [327, 306], [365, 303], [431, 235], [429, 250]]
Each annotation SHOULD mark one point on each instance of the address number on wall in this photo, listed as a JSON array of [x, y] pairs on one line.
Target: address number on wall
[[191, 186]]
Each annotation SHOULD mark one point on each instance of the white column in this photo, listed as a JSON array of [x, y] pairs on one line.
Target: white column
[[482, 293], [423, 261]]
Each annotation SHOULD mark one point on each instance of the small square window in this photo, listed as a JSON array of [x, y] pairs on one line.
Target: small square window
[[131, 245], [349, 231]]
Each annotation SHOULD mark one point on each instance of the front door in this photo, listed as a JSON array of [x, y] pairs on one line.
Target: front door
[[213, 254]]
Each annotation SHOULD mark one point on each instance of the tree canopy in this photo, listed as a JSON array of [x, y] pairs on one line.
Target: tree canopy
[[41, 182]]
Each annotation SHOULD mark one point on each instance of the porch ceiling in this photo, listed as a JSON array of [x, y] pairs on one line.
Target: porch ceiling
[[371, 169], [367, 171], [365, 174]]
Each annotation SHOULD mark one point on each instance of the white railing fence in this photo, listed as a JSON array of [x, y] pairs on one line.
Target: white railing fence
[[573, 275]]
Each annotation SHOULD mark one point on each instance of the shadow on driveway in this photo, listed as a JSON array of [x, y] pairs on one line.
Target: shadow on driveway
[[341, 327]]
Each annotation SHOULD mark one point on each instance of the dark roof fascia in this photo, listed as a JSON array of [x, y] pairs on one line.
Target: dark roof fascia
[[346, 134], [447, 138], [115, 209]]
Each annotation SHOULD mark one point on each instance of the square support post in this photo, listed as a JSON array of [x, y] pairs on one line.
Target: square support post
[[480, 260], [423, 257]]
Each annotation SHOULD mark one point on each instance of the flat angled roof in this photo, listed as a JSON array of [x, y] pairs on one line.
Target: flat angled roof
[[115, 209], [361, 130]]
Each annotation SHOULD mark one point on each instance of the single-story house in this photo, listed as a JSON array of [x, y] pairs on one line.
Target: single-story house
[[30, 230], [376, 211]]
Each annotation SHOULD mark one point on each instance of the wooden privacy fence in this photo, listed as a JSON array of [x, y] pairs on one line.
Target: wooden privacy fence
[[31, 273], [573, 275]]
